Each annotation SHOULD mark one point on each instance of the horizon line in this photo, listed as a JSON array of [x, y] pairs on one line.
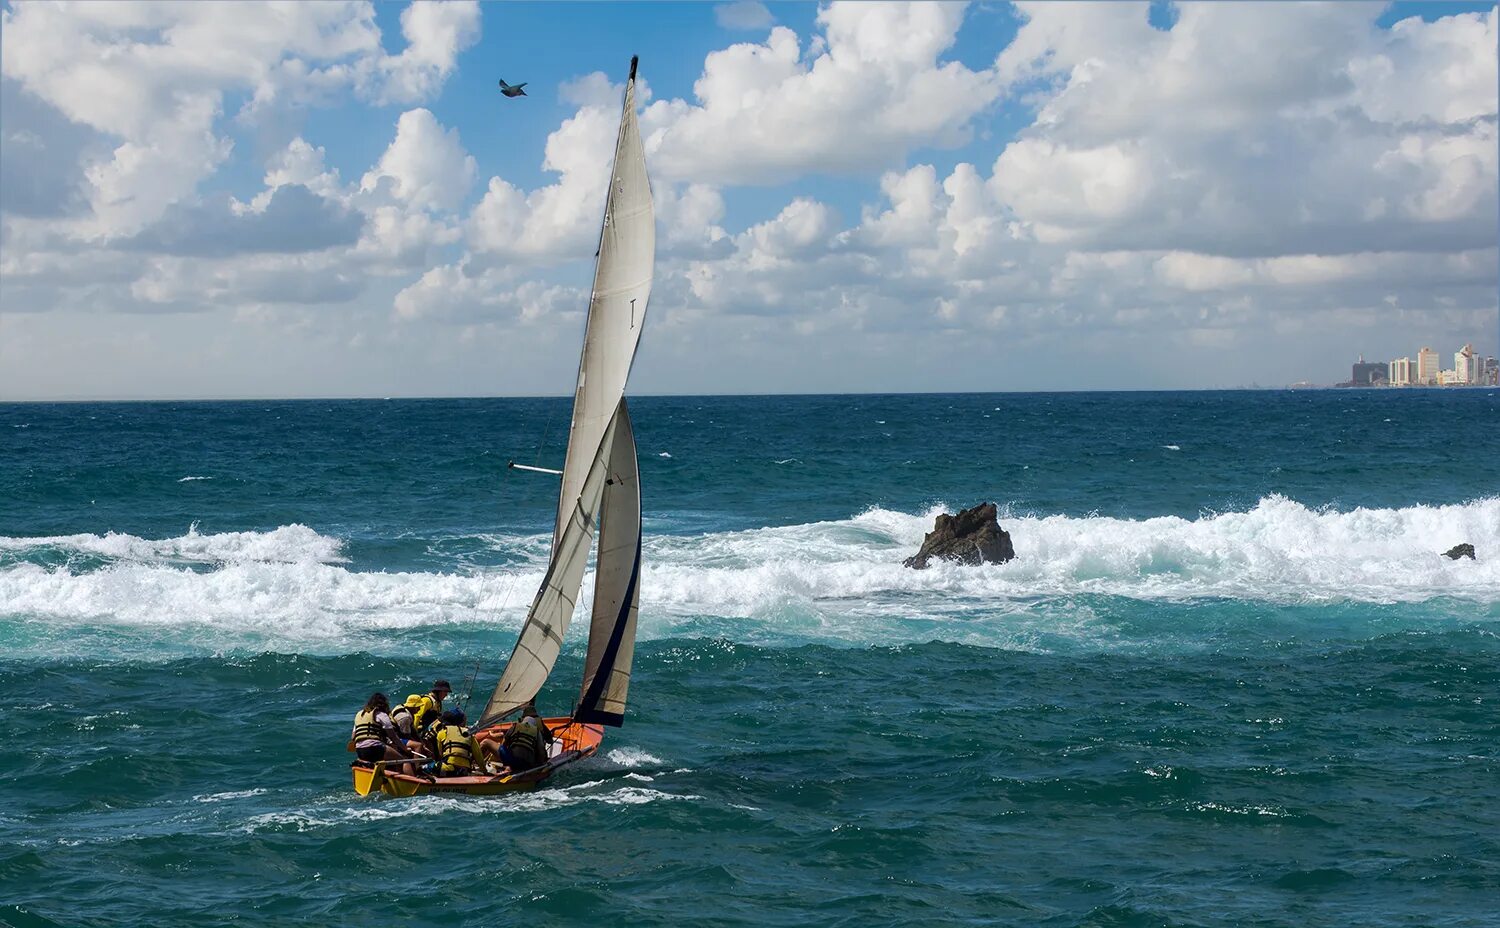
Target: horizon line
[[1287, 388]]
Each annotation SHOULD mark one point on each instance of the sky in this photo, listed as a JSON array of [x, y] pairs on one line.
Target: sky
[[225, 200]]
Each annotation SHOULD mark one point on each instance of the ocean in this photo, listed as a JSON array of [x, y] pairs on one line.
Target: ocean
[[1228, 679]]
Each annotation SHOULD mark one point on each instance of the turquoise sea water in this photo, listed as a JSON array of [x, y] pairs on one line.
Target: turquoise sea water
[[1227, 681]]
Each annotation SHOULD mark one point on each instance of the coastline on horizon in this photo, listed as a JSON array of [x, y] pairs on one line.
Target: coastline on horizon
[[1470, 369]]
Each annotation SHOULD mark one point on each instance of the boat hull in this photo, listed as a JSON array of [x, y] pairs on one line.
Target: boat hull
[[574, 742]]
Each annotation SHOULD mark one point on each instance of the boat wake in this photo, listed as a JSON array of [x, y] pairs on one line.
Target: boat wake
[[611, 792]]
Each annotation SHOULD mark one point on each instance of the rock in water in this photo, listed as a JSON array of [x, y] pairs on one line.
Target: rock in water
[[973, 536], [1458, 551]]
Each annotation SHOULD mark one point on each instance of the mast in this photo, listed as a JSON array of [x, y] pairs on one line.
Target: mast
[[617, 312]]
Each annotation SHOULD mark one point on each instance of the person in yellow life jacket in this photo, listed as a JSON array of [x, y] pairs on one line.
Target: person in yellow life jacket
[[424, 711], [404, 717], [527, 744], [374, 737], [429, 706], [458, 752]]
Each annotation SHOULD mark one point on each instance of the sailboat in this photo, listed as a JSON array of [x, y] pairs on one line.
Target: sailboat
[[600, 494]]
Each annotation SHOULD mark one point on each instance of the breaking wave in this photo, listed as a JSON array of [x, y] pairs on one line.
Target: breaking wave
[[1280, 551], [289, 544], [292, 587]]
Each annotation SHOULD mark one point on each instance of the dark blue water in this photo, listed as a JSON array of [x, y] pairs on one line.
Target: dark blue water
[[1228, 679]]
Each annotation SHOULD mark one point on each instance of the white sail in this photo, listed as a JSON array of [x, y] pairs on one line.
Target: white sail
[[617, 309], [552, 611], [617, 592]]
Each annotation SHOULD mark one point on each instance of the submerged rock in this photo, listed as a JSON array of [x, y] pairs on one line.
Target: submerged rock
[[1458, 551], [974, 536]]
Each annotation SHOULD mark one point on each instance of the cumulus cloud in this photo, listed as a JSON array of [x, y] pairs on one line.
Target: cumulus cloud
[[294, 219], [435, 34], [1349, 138], [154, 77], [743, 14], [41, 157], [425, 167], [560, 220], [871, 88], [460, 292], [1249, 174]]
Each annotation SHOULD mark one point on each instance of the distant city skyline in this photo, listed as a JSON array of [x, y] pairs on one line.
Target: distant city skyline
[[333, 199], [1470, 368]]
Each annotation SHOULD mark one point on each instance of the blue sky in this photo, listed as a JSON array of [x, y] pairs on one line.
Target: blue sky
[[876, 197]]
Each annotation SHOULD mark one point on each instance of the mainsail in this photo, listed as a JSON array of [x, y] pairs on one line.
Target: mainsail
[[617, 308], [600, 479]]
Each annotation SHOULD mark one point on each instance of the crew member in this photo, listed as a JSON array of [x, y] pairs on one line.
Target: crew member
[[457, 751], [526, 745], [429, 707], [374, 737]]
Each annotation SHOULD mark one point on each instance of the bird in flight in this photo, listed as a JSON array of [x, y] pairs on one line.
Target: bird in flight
[[512, 90]]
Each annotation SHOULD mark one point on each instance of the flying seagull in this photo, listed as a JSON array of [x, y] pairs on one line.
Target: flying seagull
[[512, 90]]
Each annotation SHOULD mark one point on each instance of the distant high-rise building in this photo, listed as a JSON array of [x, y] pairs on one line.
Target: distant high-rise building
[[1427, 366], [1368, 373], [1401, 372], [1468, 367], [1491, 373]]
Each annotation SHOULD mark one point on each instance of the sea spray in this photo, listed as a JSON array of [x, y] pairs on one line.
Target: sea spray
[[290, 586]]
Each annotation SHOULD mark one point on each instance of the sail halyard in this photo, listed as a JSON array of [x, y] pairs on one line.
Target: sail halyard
[[617, 309]]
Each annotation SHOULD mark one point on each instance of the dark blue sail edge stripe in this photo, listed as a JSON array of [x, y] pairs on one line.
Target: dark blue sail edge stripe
[[588, 710]]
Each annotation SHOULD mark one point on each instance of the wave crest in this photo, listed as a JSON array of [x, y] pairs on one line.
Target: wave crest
[[288, 544], [839, 579]]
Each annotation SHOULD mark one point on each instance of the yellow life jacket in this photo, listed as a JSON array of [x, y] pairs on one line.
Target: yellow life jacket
[[424, 710], [366, 728], [404, 717], [456, 749]]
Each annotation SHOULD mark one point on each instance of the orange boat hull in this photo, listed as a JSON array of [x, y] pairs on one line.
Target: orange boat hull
[[574, 741]]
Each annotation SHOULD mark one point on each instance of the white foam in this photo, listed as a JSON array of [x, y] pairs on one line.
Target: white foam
[[287, 544], [1280, 551], [633, 757], [663, 454], [275, 604], [191, 479], [838, 580], [379, 810], [236, 794]]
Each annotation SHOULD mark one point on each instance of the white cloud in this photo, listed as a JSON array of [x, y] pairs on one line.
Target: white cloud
[[425, 167], [1177, 189], [154, 77], [560, 220], [743, 14], [871, 90], [1199, 139], [435, 34], [459, 292], [1443, 71]]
